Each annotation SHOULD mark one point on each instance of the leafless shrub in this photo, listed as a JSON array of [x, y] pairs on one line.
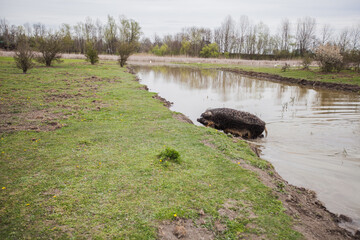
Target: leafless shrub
[[285, 67], [306, 61], [50, 47], [23, 55]]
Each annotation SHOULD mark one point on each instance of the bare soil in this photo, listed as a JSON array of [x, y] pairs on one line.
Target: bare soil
[[20, 114]]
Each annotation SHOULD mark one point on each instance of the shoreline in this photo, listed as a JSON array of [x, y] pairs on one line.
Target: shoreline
[[297, 81], [309, 213]]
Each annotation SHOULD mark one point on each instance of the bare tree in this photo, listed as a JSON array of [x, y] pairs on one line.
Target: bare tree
[[99, 35], [355, 37], [262, 38], [68, 42], [39, 30], [285, 34], [227, 31], [344, 40], [326, 34], [8, 35], [251, 40], [305, 34], [243, 28], [145, 45], [110, 35]]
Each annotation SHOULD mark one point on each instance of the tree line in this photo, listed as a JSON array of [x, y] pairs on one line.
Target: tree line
[[244, 39], [238, 38], [234, 39]]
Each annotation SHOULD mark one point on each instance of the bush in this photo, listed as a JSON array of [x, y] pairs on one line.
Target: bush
[[163, 50], [125, 49], [285, 67], [306, 61], [170, 155], [91, 54], [24, 55], [351, 59], [210, 50], [50, 47], [329, 58]]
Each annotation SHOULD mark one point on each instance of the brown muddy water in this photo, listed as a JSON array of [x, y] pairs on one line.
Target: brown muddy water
[[314, 135]]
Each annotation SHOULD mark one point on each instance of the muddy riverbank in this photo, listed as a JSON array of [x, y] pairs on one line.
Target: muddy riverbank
[[301, 82]]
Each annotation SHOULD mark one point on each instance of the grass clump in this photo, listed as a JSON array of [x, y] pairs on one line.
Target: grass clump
[[170, 155]]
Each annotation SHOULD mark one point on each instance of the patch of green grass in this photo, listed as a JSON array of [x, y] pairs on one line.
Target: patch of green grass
[[314, 74], [95, 177]]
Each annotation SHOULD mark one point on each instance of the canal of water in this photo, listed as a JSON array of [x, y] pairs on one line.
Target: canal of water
[[314, 135]]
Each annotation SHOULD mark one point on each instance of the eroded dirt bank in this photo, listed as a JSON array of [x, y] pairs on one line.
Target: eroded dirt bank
[[303, 82]]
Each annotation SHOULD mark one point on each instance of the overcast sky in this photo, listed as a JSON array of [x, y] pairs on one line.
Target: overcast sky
[[170, 16]]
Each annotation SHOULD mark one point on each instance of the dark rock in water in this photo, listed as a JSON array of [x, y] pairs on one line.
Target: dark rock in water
[[232, 121], [357, 234], [345, 218]]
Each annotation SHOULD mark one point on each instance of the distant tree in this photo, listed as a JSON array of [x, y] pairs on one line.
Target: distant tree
[[355, 37], [305, 34], [91, 53], [227, 31], [344, 40], [285, 35], [23, 55], [355, 59], [326, 34], [50, 47], [185, 47], [329, 58], [146, 45], [130, 32], [68, 42], [243, 28], [163, 50], [210, 51], [110, 35]]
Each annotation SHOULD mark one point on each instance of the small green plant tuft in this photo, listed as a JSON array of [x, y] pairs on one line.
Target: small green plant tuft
[[169, 155], [280, 186]]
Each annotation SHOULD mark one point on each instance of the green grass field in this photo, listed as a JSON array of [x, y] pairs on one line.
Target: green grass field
[[314, 74], [78, 159]]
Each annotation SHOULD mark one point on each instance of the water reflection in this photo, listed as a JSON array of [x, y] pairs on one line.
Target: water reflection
[[314, 135]]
